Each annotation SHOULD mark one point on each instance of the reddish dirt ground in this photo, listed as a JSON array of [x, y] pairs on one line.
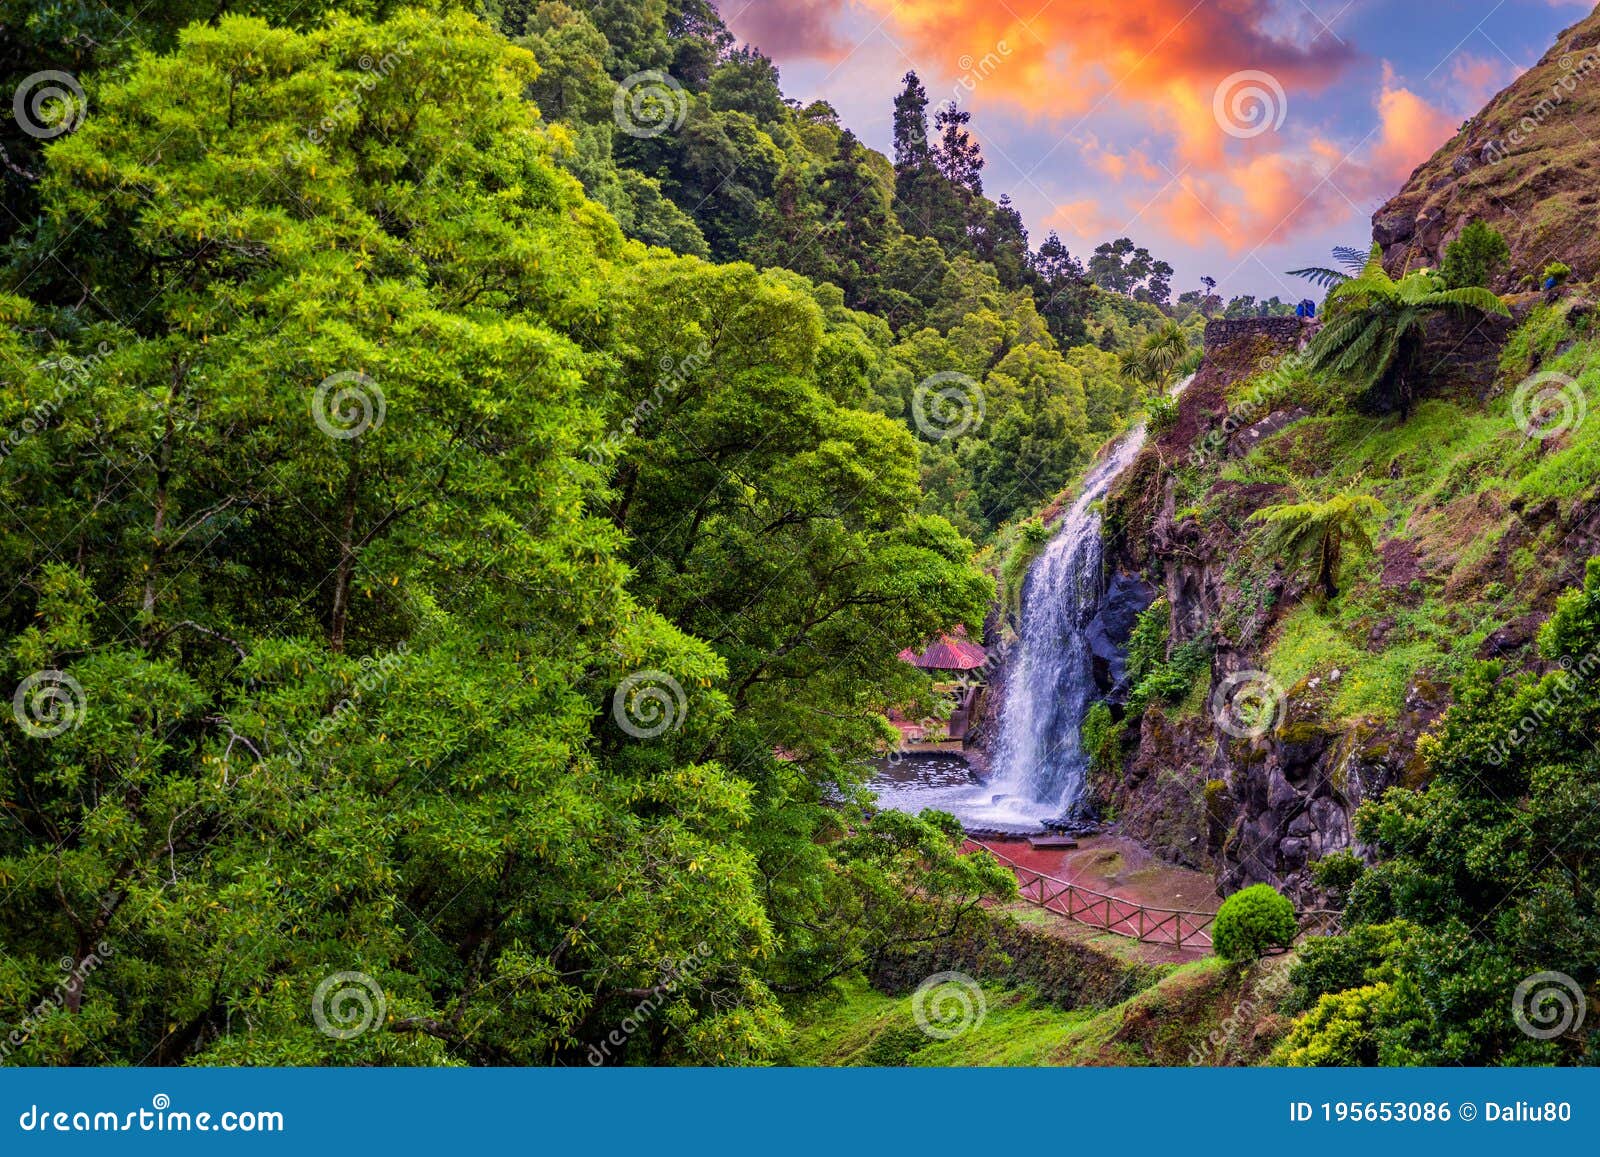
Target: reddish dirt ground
[[1116, 866]]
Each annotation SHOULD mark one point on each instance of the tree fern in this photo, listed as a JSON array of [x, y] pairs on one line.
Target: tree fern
[[1375, 328], [1321, 532]]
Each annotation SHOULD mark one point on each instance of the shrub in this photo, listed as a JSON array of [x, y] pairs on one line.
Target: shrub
[[1147, 644], [1174, 679], [1557, 272], [1343, 1030], [1163, 413], [1030, 540], [1337, 871], [1327, 964], [1101, 737], [1252, 921], [1476, 257]]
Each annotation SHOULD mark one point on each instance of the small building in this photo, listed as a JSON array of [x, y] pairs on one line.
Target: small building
[[951, 659]]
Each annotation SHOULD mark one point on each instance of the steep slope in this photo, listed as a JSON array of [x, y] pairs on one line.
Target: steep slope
[[1526, 163]]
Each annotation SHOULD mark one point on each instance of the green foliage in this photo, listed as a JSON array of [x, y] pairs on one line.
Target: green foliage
[[1322, 533], [1100, 737], [1147, 642], [1372, 335], [1477, 257], [1030, 539], [1331, 964], [1172, 680], [1253, 921], [1154, 362], [352, 689], [1345, 1028], [1487, 866], [1337, 871], [1556, 271], [1161, 413]]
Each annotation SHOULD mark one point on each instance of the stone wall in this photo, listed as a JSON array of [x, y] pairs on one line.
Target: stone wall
[[1221, 332]]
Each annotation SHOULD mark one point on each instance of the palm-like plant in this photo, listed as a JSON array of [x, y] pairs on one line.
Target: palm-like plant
[[1321, 532], [1351, 262], [1155, 360], [1374, 329]]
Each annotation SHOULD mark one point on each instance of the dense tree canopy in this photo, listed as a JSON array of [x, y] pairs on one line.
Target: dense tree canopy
[[471, 477]]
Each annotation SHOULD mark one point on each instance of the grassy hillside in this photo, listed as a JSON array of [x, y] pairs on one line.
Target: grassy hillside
[[1478, 533], [1523, 163], [1207, 1012]]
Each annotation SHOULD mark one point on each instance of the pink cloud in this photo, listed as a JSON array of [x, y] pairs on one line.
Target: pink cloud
[[792, 29]]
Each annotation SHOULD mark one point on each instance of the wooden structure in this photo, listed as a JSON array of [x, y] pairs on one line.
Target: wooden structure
[[1174, 926], [950, 659]]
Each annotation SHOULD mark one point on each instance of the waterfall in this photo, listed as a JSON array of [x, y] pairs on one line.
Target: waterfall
[[1038, 757], [1040, 768]]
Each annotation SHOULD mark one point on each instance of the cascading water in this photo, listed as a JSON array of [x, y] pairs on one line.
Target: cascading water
[[1040, 768], [1039, 760]]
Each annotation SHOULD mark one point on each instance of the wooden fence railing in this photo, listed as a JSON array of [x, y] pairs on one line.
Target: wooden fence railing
[[1175, 926], [1112, 914]]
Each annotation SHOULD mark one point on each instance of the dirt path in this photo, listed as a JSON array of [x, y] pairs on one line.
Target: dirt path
[[1115, 866]]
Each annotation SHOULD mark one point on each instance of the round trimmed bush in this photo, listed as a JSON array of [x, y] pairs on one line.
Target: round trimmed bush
[[1252, 921]]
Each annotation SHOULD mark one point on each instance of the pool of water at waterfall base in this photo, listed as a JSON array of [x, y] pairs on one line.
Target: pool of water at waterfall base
[[947, 782]]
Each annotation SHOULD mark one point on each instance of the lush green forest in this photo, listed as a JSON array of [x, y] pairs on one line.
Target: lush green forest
[[469, 475], [462, 533]]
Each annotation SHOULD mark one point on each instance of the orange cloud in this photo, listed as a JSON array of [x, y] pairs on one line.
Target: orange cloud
[[1477, 78], [1118, 166], [1265, 197], [1166, 56], [1084, 219]]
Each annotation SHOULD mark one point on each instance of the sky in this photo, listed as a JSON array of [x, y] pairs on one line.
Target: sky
[[1235, 139]]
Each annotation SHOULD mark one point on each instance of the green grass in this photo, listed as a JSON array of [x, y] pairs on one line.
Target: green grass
[[857, 1025], [1449, 477]]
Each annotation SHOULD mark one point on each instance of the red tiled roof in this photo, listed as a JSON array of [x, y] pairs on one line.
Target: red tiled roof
[[950, 653]]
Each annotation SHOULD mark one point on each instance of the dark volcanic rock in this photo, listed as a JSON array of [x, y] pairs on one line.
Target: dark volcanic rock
[[1126, 597]]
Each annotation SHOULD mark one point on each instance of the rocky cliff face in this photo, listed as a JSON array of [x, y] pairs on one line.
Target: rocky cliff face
[[1251, 807], [1527, 164]]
